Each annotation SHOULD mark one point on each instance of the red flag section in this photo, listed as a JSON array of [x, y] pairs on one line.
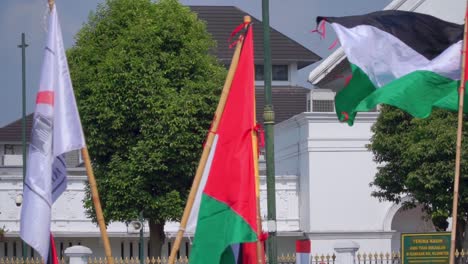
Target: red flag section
[[249, 253], [53, 258], [231, 178], [227, 213], [45, 97]]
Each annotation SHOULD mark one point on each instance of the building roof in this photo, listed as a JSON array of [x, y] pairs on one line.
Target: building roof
[[287, 101], [335, 80], [222, 20], [12, 131]]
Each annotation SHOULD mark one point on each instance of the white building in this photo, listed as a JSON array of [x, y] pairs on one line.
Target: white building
[[334, 169], [70, 225], [339, 167]]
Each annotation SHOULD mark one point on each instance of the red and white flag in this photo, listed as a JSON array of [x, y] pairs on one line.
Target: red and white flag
[[56, 130]]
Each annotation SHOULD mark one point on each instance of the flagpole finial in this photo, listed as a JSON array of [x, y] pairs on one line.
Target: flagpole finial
[[51, 4], [247, 19]]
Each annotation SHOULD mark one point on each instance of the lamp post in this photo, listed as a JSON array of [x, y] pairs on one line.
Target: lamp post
[[269, 122], [23, 47], [19, 202], [141, 248]]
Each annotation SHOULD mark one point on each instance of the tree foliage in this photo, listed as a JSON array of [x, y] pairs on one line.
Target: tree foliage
[[416, 158], [146, 87]]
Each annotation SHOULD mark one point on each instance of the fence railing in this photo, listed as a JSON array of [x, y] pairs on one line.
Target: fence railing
[[323, 259], [461, 257], [20, 260], [378, 258], [282, 259]]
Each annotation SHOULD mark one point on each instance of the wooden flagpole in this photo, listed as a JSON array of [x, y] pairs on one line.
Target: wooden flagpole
[[461, 95], [206, 149], [257, 177], [97, 205], [257, 192], [255, 150], [94, 192]]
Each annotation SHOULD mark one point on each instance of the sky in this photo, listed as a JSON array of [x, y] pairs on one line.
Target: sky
[[293, 18]]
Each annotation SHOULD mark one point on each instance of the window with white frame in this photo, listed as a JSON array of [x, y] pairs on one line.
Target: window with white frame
[[321, 100], [279, 72], [12, 149]]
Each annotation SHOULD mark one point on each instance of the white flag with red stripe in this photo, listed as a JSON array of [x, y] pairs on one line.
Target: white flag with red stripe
[[56, 130]]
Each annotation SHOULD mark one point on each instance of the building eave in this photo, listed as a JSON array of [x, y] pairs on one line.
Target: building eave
[[326, 66]]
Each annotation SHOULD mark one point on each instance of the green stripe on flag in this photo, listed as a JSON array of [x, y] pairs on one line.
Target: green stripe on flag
[[416, 93], [218, 227], [358, 88]]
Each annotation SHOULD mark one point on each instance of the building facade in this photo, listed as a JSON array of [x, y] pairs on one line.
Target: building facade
[[334, 168]]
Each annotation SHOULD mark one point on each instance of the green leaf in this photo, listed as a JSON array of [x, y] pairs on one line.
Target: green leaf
[[147, 87], [416, 157]]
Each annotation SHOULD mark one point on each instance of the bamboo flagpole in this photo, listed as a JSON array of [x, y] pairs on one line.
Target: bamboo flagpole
[[94, 192], [257, 193], [97, 205], [461, 95], [255, 145], [207, 148]]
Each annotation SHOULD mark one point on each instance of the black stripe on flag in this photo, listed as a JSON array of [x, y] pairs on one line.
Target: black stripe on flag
[[427, 35]]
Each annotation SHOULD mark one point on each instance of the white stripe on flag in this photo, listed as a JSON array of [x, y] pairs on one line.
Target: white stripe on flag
[[56, 130], [193, 218], [384, 58]]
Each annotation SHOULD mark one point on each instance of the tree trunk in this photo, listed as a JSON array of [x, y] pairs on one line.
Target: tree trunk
[[157, 238], [460, 239]]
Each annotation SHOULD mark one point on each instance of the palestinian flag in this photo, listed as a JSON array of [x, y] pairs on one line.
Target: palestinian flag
[[408, 60], [224, 214]]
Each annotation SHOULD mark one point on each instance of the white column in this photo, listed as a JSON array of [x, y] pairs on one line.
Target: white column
[[345, 251], [303, 251], [78, 254]]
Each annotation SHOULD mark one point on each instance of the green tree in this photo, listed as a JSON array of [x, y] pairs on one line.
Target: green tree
[[147, 88], [416, 158]]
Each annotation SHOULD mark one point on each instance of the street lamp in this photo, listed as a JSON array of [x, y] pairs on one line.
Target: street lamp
[[19, 199], [23, 47], [19, 202], [141, 249], [134, 227], [269, 122]]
